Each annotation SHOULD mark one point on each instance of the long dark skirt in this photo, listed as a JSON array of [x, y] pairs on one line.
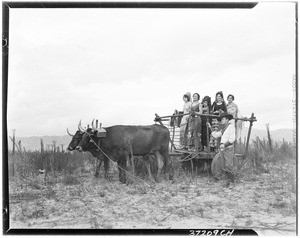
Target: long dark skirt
[[204, 140], [194, 135]]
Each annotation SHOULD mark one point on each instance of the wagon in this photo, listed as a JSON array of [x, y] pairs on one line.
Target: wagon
[[204, 156]]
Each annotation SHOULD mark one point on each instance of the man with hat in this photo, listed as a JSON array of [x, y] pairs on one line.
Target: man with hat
[[224, 162]]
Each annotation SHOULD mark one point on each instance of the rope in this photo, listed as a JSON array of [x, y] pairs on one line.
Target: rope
[[117, 164], [185, 158]]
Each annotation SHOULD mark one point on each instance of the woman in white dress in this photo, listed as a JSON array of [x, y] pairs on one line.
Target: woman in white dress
[[233, 109]]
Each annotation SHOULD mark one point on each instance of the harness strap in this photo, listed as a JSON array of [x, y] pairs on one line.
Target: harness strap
[[224, 129], [114, 161]]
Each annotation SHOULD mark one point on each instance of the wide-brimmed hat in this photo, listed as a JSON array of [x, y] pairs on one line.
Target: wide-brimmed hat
[[214, 116], [227, 115]]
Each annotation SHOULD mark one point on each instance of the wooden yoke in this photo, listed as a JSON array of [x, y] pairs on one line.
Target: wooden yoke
[[101, 132]]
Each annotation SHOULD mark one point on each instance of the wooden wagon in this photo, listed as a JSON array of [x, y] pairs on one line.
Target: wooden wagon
[[205, 155]]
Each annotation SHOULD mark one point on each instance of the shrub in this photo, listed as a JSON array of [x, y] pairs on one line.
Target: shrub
[[71, 180]]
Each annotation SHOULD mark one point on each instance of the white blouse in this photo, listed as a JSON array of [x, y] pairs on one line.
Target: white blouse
[[228, 135]]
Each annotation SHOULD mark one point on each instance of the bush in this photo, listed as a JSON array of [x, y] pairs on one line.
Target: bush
[[25, 165], [71, 180]]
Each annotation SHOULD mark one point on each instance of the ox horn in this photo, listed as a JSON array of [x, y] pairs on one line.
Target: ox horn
[[69, 133], [79, 127], [93, 127]]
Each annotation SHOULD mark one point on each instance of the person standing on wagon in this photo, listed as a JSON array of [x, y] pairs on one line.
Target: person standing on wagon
[[219, 104], [195, 124], [184, 121], [224, 163], [206, 107], [233, 109]]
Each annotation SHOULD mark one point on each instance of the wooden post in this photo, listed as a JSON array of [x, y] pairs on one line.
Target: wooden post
[[14, 142], [42, 146], [207, 138], [248, 137], [173, 135], [20, 145], [235, 142], [132, 158], [192, 167], [54, 146], [172, 145], [157, 119], [13, 152]]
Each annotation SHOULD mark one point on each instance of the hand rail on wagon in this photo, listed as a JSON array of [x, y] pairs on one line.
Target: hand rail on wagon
[[251, 120], [163, 118]]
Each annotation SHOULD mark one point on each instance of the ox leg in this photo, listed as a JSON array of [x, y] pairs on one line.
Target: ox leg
[[122, 169], [132, 164], [160, 163], [147, 160], [98, 165], [153, 166], [168, 164], [106, 168]]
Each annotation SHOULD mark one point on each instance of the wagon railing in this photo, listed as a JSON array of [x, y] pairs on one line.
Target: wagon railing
[[160, 119]]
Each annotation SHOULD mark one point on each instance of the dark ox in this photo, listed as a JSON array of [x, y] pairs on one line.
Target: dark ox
[[92, 148], [122, 142]]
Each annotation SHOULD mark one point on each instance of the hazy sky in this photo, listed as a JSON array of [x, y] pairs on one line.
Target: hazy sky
[[124, 65]]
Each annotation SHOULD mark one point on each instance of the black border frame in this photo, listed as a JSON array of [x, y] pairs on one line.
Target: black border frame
[[5, 54]]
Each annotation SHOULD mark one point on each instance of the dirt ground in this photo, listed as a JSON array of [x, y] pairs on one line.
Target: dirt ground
[[265, 202]]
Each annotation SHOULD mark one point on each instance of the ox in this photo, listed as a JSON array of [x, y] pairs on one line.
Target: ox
[[121, 142], [92, 148]]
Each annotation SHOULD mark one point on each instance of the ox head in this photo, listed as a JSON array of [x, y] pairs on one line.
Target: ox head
[[75, 138], [90, 138]]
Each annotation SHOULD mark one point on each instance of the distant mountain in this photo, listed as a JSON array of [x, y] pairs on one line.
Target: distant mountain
[[276, 135], [34, 143]]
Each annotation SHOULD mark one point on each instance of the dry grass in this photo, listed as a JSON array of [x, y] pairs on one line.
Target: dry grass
[[264, 196], [96, 203]]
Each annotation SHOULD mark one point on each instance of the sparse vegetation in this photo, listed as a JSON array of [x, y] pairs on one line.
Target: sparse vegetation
[[68, 195]]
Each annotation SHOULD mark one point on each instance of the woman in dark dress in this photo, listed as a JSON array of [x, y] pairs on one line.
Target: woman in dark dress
[[219, 104], [195, 125], [206, 108]]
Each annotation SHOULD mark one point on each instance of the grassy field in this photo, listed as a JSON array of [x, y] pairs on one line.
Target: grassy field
[[69, 196]]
